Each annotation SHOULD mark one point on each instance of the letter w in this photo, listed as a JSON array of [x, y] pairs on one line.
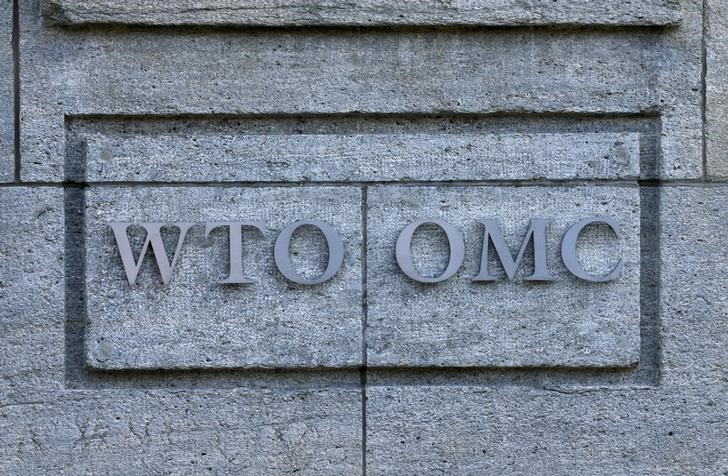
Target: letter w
[[132, 266]]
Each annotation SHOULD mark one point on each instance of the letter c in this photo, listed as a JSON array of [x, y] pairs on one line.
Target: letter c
[[568, 250]]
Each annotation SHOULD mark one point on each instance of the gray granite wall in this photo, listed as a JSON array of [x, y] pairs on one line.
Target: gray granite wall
[[366, 116]]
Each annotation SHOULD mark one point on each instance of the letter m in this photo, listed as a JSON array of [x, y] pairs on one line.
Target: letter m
[[132, 266], [537, 232]]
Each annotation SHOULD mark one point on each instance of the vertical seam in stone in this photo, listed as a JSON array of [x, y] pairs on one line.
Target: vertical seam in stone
[[16, 87], [364, 307], [704, 85]]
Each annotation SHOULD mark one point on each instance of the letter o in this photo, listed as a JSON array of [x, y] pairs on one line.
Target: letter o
[[568, 250], [404, 250], [283, 258]]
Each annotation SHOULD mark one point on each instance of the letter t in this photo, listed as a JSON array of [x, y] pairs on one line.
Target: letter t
[[236, 247]]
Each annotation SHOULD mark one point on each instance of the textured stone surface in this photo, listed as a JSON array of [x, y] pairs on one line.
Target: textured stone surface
[[364, 13], [679, 101], [517, 430], [31, 291], [195, 322], [7, 120], [498, 107], [678, 427], [362, 157], [716, 108], [693, 301], [314, 72], [194, 432], [503, 324], [48, 428]]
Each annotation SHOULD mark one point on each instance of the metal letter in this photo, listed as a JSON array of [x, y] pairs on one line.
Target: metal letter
[[537, 231], [235, 233], [404, 250], [568, 250], [131, 266], [283, 259]]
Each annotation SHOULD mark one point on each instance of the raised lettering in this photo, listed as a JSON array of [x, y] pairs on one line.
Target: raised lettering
[[283, 258], [132, 266], [404, 250], [492, 233], [235, 234], [571, 260]]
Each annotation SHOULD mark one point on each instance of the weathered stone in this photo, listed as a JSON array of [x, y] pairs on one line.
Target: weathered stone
[[694, 304], [136, 427], [196, 322], [239, 431], [522, 430], [326, 73], [502, 108], [680, 95], [716, 107], [566, 323], [31, 291], [361, 157], [7, 101], [363, 13], [676, 427]]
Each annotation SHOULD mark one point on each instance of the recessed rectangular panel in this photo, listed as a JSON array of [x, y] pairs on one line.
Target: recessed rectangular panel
[[364, 13], [567, 322], [196, 322], [191, 155]]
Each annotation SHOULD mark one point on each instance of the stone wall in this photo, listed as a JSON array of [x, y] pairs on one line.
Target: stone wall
[[366, 116]]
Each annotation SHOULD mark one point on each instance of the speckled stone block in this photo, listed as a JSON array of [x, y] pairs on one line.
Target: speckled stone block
[[363, 13], [522, 430], [677, 426], [7, 99], [31, 292], [50, 426], [459, 322], [366, 115], [716, 107], [250, 431], [327, 73], [361, 157], [196, 322]]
